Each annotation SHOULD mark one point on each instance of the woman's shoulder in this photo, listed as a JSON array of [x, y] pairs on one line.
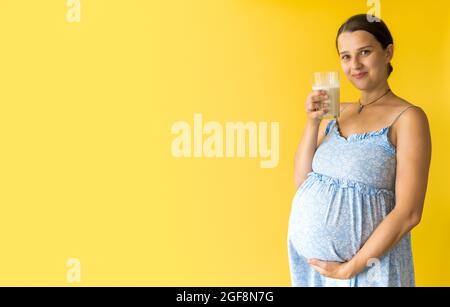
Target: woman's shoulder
[[411, 130], [410, 121], [406, 111]]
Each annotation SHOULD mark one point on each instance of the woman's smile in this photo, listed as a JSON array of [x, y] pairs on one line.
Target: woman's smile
[[360, 75]]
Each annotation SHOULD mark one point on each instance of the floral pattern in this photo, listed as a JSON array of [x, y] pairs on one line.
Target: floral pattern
[[347, 195]]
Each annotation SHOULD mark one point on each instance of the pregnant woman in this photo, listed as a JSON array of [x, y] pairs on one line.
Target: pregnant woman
[[361, 178]]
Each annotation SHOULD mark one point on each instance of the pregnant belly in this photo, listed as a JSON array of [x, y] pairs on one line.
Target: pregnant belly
[[322, 241], [329, 225]]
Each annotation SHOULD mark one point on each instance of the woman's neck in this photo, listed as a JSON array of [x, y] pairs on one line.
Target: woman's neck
[[370, 95]]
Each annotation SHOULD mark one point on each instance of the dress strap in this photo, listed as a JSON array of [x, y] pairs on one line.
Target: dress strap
[[329, 126], [334, 121], [408, 107]]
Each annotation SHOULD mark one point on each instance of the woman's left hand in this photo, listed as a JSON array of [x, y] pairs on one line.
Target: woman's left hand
[[337, 270]]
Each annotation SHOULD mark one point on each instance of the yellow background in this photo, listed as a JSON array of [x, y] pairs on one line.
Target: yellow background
[[86, 110]]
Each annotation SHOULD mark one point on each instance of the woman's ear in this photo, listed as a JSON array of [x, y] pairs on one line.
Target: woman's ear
[[389, 53]]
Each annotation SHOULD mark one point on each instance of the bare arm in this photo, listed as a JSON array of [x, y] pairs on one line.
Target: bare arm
[[413, 161], [313, 135], [305, 151]]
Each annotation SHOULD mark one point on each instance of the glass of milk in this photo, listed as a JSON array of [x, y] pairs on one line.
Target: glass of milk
[[329, 82]]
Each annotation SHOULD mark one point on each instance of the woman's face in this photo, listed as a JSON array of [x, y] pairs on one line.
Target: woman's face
[[363, 59]]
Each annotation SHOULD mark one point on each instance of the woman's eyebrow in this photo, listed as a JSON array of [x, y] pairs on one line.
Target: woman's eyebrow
[[357, 49]]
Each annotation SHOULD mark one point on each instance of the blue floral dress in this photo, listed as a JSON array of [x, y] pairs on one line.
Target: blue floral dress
[[346, 196]]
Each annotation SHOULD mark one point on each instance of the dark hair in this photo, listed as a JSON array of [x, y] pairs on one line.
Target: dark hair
[[376, 27]]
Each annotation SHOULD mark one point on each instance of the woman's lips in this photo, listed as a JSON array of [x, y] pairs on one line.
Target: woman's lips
[[360, 75]]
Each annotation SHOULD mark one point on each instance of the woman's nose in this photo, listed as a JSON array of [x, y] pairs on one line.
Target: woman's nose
[[355, 64]]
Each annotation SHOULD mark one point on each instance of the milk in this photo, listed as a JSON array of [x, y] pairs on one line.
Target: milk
[[333, 93]]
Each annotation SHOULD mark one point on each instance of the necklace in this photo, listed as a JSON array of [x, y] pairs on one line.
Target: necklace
[[361, 106]]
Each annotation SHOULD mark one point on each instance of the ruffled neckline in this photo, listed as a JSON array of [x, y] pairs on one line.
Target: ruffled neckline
[[359, 136]]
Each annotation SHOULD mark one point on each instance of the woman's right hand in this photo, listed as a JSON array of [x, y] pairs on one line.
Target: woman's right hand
[[317, 105]]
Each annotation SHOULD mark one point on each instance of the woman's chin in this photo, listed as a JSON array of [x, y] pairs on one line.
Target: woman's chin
[[361, 85]]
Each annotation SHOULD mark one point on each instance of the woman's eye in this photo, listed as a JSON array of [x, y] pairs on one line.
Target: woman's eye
[[365, 52], [345, 57]]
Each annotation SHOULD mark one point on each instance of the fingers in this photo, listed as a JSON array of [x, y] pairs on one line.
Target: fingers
[[318, 263], [316, 106], [316, 100], [319, 266], [320, 270], [318, 96], [319, 113], [318, 92]]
